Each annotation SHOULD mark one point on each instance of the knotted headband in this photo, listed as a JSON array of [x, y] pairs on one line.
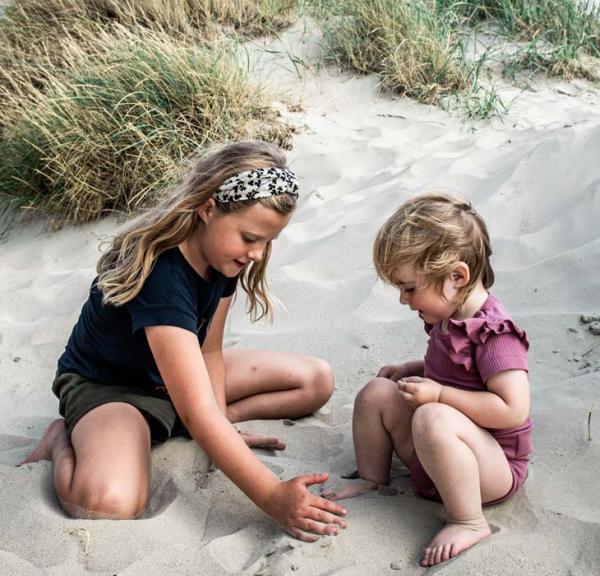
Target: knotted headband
[[257, 183]]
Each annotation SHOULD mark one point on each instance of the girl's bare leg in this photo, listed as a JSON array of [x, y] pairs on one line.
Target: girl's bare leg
[[103, 471], [381, 423], [468, 467], [262, 384]]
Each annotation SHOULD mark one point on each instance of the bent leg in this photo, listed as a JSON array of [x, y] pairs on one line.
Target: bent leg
[[263, 384], [103, 471], [468, 467], [381, 422]]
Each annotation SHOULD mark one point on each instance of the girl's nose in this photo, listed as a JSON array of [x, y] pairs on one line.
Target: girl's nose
[[256, 254], [403, 298]]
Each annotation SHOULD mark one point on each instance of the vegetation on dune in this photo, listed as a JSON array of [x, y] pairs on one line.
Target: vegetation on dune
[[103, 100], [415, 50], [419, 47]]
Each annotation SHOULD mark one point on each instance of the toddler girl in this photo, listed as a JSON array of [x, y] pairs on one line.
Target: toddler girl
[[459, 418]]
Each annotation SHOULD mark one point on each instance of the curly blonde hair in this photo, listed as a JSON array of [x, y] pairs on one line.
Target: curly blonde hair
[[124, 267], [433, 232]]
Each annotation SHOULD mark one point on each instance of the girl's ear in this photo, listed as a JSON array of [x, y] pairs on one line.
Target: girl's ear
[[460, 275], [206, 210]]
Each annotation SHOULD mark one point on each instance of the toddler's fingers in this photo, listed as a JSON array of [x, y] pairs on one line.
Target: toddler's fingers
[[406, 387]]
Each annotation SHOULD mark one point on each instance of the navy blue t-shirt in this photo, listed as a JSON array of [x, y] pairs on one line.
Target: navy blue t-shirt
[[108, 344]]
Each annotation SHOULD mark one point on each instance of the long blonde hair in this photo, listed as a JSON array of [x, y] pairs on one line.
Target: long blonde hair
[[124, 267], [433, 232]]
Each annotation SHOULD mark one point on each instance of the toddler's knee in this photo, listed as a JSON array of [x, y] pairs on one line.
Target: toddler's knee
[[431, 419], [377, 392], [111, 502]]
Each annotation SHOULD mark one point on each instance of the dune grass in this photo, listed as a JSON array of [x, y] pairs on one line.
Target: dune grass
[[108, 131], [414, 49], [103, 99], [553, 34], [417, 47]]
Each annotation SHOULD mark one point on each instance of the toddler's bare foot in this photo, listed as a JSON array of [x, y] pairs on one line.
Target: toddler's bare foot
[[348, 488], [454, 538], [54, 436]]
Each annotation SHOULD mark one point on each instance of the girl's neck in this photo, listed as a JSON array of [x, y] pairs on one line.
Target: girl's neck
[[189, 250]]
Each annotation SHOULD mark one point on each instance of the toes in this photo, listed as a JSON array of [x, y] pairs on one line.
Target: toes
[[329, 494], [426, 560]]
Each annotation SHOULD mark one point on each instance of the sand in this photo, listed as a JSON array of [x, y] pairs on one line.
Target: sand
[[535, 177]]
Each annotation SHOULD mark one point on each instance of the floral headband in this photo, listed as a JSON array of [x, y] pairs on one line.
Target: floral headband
[[257, 183]]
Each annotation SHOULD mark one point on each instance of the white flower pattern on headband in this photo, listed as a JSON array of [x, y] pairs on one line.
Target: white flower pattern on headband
[[257, 183]]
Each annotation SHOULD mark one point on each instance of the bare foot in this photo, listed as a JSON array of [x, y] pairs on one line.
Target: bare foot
[[265, 442], [55, 435], [454, 538], [348, 488]]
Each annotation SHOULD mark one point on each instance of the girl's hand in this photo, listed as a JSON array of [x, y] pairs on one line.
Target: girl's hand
[[393, 372], [302, 514], [264, 442], [418, 391]]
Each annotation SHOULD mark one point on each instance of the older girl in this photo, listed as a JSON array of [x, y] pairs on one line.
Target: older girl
[[145, 360]]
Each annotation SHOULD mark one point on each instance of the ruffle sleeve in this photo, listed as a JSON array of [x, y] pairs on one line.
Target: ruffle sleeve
[[477, 330]]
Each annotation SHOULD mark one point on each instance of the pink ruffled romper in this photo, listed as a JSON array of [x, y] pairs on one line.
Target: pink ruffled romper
[[470, 353]]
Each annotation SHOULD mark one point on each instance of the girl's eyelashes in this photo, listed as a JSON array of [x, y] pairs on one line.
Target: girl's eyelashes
[[248, 239]]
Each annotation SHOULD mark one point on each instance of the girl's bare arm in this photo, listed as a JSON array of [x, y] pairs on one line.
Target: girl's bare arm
[[182, 367], [212, 352]]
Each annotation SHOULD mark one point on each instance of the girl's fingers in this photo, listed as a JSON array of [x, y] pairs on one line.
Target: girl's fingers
[[310, 479], [327, 506], [325, 517], [297, 533]]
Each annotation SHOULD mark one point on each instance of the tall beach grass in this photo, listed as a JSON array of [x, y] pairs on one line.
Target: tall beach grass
[[102, 100], [418, 47], [414, 49], [108, 131]]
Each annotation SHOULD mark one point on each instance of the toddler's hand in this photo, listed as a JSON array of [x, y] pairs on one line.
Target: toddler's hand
[[302, 514], [393, 372], [418, 391]]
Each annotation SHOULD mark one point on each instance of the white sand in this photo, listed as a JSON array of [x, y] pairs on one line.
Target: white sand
[[535, 178]]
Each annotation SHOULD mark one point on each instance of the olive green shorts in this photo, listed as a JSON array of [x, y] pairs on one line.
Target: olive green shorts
[[78, 395]]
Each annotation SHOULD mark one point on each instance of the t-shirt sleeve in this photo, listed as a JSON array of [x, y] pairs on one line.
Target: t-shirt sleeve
[[166, 299], [229, 286], [501, 352]]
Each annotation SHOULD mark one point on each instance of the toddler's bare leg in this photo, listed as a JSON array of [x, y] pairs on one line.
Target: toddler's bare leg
[[467, 466], [103, 472], [380, 424]]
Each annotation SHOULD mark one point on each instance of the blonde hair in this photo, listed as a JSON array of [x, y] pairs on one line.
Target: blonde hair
[[433, 232], [124, 267]]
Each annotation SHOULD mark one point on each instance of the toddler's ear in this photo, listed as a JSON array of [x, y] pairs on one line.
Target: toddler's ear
[[460, 275]]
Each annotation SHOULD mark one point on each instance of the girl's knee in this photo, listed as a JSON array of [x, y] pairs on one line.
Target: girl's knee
[[379, 392], [319, 382], [114, 502]]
